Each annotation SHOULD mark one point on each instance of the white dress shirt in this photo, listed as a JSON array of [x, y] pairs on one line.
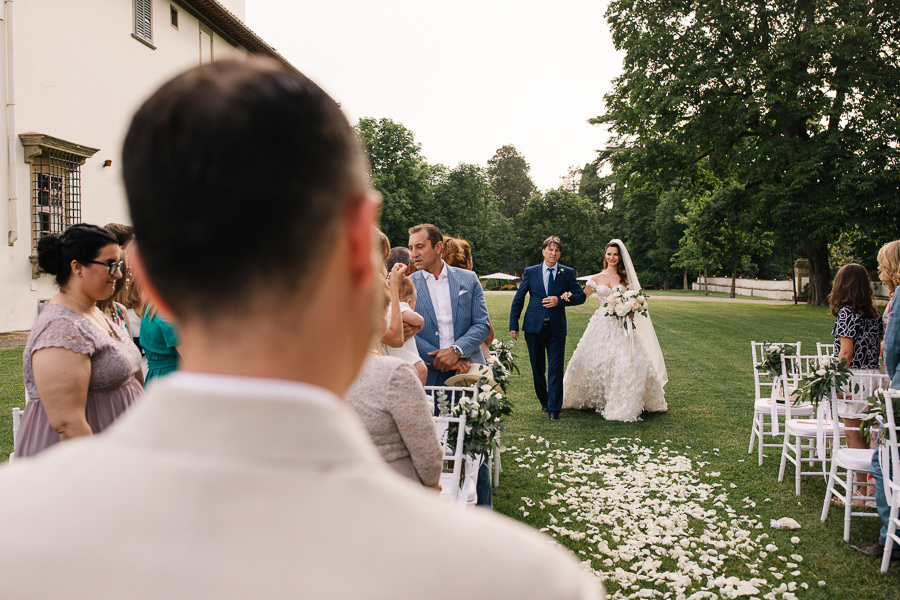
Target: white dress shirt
[[439, 290]]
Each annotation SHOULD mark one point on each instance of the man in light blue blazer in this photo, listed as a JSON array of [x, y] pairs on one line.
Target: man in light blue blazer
[[452, 303]]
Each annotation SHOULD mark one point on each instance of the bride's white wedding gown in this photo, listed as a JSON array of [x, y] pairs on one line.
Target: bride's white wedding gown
[[604, 374]]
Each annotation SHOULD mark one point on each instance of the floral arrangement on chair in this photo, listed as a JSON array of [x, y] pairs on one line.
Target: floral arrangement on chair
[[772, 354], [624, 306], [875, 414], [502, 362], [817, 386], [484, 413]]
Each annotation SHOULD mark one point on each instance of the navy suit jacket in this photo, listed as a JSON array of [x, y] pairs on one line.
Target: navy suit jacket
[[533, 283], [471, 324]]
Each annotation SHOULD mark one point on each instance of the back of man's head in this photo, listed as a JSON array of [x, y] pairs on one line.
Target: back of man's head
[[398, 254], [236, 174]]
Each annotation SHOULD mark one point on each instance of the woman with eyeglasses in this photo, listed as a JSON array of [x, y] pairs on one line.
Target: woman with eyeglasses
[[81, 369]]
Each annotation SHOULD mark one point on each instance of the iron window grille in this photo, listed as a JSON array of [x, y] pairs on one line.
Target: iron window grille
[[55, 183], [56, 193]]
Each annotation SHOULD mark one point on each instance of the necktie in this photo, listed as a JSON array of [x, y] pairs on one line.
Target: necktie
[[550, 281]]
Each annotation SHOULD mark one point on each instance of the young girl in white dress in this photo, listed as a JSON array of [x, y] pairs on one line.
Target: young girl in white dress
[[608, 373]]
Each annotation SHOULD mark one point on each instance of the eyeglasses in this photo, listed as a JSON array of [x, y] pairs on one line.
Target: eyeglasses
[[113, 266]]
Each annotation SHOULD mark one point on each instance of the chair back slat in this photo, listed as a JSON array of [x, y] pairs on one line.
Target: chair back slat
[[454, 394], [793, 369], [851, 401], [824, 350]]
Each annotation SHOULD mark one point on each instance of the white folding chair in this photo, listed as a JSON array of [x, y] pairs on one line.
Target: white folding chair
[[805, 440], [17, 414], [824, 350], [849, 404], [453, 394], [455, 477], [889, 458], [767, 403]]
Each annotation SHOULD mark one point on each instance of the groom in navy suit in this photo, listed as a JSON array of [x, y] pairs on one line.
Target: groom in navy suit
[[545, 321]]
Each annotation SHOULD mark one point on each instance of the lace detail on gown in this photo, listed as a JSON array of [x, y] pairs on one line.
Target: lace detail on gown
[[604, 376]]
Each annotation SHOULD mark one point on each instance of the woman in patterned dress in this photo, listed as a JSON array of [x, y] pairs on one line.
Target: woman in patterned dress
[[857, 332]]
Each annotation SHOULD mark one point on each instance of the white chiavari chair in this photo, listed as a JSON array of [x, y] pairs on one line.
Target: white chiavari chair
[[768, 403], [849, 403], [805, 441]]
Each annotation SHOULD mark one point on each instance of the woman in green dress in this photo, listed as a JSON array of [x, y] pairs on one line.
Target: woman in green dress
[[160, 343]]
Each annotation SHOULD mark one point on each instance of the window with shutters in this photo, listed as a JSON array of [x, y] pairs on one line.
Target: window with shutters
[[55, 182], [143, 21]]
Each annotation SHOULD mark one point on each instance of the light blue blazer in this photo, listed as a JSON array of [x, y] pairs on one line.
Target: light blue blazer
[[471, 324], [892, 343]]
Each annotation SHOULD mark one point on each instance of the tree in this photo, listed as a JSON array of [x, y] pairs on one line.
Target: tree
[[465, 207], [399, 172], [575, 220], [795, 103], [510, 181], [721, 231]]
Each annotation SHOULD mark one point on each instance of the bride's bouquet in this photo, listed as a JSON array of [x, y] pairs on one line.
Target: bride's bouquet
[[625, 305]]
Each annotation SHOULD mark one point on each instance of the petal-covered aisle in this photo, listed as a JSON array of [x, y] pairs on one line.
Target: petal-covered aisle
[[655, 523]]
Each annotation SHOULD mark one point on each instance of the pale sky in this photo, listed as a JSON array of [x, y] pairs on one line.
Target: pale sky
[[465, 77]]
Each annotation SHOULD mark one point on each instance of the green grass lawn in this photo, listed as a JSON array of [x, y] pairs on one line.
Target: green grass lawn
[[12, 393], [707, 351], [710, 397]]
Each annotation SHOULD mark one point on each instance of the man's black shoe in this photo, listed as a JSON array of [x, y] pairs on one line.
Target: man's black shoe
[[544, 409], [554, 416], [877, 549]]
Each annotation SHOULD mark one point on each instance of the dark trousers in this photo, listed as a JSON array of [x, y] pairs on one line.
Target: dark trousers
[[483, 486], [553, 347]]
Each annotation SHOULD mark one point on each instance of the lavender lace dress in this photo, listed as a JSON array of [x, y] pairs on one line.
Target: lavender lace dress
[[113, 387]]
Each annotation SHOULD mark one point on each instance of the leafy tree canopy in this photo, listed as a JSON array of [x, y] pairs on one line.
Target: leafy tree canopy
[[510, 181], [796, 105]]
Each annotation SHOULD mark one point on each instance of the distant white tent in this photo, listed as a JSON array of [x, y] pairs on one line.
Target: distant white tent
[[499, 276], [585, 278]]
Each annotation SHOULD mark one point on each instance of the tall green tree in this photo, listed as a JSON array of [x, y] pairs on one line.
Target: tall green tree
[[573, 219], [510, 181], [798, 103], [465, 207], [400, 173]]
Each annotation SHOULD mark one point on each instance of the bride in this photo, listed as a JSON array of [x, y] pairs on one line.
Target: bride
[[607, 372]]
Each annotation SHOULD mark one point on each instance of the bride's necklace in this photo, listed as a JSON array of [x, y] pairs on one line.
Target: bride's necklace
[[90, 314]]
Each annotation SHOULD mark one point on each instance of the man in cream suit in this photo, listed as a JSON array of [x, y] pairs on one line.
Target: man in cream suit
[[243, 475]]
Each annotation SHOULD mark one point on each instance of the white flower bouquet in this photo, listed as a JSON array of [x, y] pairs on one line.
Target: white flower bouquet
[[772, 354], [624, 305], [817, 386], [502, 362], [483, 418]]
